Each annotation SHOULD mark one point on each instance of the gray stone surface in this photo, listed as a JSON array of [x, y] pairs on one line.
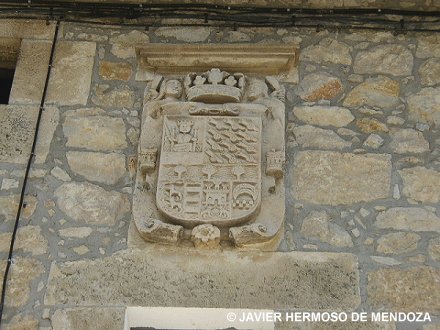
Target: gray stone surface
[[71, 73], [321, 177], [29, 29], [49, 123], [428, 46], [30, 73], [17, 125], [429, 72], [317, 138], [327, 50], [318, 225], [29, 239], [408, 218], [424, 106], [250, 280], [22, 274], [421, 184], [98, 133], [319, 86], [87, 203], [98, 167], [397, 243], [434, 249], [393, 59], [408, 141], [88, 318], [381, 91], [323, 115], [105, 96], [405, 290], [123, 45], [188, 34]]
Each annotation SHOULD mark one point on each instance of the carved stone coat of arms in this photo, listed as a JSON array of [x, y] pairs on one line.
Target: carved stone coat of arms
[[210, 160]]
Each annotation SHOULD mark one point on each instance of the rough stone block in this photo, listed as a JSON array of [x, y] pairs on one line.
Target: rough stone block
[[71, 73], [318, 281], [17, 128], [30, 73], [333, 178], [88, 318], [405, 290], [98, 133]]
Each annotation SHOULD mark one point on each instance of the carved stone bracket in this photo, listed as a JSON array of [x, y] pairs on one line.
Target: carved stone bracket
[[269, 59]]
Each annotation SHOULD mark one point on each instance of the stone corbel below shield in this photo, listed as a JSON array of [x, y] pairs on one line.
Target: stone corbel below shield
[[210, 160]]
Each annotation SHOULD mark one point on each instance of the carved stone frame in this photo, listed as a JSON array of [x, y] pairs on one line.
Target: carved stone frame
[[265, 230]]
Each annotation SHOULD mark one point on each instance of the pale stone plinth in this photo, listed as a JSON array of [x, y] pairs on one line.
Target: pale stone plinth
[[296, 280]]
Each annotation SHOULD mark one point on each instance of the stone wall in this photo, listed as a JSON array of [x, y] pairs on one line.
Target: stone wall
[[362, 176]]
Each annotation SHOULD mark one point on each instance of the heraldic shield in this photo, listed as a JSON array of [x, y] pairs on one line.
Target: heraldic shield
[[210, 161], [210, 169]]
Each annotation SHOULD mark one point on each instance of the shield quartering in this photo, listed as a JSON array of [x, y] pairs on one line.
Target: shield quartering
[[211, 156], [210, 169]]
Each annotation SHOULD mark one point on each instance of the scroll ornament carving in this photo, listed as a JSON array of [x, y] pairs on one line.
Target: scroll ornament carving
[[211, 155]]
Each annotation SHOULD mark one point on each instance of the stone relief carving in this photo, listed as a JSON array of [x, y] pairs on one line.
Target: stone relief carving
[[211, 155]]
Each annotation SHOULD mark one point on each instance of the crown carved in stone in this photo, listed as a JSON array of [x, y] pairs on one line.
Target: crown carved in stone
[[215, 86]]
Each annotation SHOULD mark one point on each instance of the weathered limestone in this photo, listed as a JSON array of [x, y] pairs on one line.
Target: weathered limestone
[[421, 184], [323, 115], [397, 243], [408, 141], [17, 125], [428, 46], [87, 203], [318, 225], [408, 218], [205, 236], [115, 71], [30, 73], [49, 122], [328, 51], [321, 177], [96, 166], [369, 125], [88, 318], [9, 50], [29, 29], [71, 73], [23, 272], [98, 133], [429, 72], [317, 138], [195, 170], [22, 322], [373, 141], [76, 232], [405, 290], [28, 239], [424, 106], [393, 59], [60, 174], [381, 91], [315, 281], [123, 45], [9, 206], [121, 97], [434, 249], [188, 34], [319, 86]]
